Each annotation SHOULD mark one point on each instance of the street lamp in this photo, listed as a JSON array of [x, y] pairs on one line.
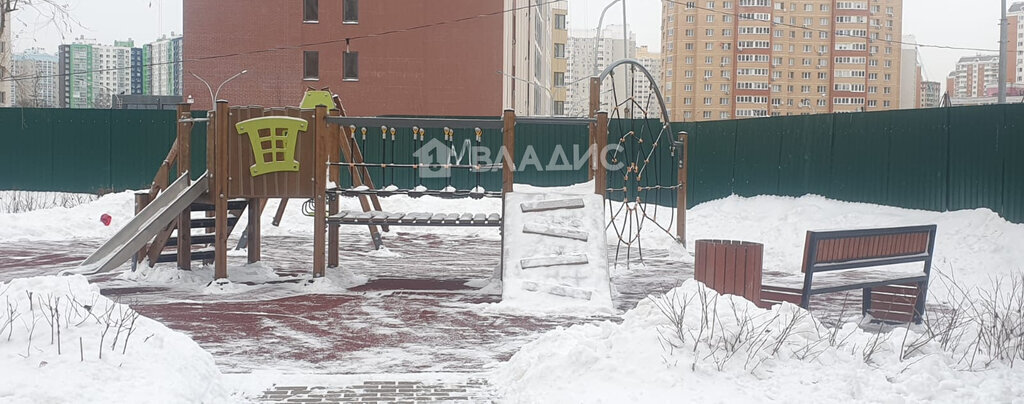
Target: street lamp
[[597, 35], [111, 93], [213, 95]]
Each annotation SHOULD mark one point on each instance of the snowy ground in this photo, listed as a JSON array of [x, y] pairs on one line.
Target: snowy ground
[[364, 319]]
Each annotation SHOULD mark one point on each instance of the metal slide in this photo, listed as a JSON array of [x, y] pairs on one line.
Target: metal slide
[[144, 226]]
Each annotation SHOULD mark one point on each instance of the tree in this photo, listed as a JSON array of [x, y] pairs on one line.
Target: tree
[[55, 12]]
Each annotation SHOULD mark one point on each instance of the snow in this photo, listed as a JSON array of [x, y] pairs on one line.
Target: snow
[[644, 360], [632, 361], [150, 361]]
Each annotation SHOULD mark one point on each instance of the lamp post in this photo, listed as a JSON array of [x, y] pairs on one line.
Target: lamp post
[[597, 35], [113, 94], [214, 94]]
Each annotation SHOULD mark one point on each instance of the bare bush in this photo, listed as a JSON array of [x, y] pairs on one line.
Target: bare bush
[[27, 201]]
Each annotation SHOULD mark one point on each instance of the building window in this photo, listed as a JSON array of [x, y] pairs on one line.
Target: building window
[[350, 12], [559, 108], [351, 66], [310, 11], [311, 65], [560, 21], [559, 79], [559, 50]]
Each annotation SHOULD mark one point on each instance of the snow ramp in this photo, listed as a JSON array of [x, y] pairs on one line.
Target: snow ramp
[[555, 252], [164, 209]]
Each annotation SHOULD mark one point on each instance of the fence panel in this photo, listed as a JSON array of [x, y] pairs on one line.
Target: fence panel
[[1011, 144], [758, 143], [26, 160], [805, 160], [139, 141], [553, 150], [860, 156], [918, 157], [81, 150], [712, 161], [975, 163]]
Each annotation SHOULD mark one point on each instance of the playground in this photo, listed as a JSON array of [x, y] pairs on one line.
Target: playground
[[325, 258]]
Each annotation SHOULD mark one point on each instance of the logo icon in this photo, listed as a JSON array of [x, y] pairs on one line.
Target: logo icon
[[433, 158]]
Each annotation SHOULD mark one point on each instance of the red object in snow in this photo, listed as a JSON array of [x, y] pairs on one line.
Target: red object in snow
[[105, 218]]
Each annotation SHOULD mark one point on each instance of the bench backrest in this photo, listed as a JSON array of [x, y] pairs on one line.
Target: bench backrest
[[845, 249]]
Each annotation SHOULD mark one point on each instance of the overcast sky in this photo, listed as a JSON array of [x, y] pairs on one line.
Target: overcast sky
[[959, 23]]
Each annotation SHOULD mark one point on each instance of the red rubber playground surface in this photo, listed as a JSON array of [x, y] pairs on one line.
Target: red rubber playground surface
[[415, 314]]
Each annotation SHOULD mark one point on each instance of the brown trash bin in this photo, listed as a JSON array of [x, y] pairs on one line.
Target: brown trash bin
[[730, 267]]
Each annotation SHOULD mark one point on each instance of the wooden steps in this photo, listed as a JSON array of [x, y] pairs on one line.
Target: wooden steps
[[168, 250]]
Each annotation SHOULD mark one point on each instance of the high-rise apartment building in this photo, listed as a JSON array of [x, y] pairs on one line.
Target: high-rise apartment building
[[1015, 17], [93, 75], [6, 66], [137, 72], [910, 73], [36, 86], [931, 94], [529, 54], [751, 58], [559, 62], [590, 54], [642, 91], [161, 67], [974, 76]]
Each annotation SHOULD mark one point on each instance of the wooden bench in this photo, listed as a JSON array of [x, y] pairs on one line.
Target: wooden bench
[[858, 256]]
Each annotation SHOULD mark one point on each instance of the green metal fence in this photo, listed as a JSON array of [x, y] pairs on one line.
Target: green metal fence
[[934, 159]]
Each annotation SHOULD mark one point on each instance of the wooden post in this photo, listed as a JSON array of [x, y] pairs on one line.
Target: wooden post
[[184, 140], [597, 158], [252, 236], [595, 105], [220, 189], [681, 191], [508, 141], [320, 191], [335, 133]]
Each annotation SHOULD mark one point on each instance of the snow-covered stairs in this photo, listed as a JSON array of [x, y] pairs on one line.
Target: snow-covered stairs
[[554, 251]]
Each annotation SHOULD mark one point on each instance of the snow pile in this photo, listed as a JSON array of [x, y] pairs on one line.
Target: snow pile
[[725, 349], [254, 277], [971, 246], [78, 222], [61, 338]]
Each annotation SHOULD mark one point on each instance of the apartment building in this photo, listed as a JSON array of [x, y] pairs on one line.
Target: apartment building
[[93, 75], [589, 55], [974, 76], [910, 73], [161, 67], [753, 58], [37, 83], [409, 57], [642, 89], [560, 57], [931, 94]]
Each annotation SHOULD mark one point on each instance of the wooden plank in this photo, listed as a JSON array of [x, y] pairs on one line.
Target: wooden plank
[[493, 218], [220, 192], [551, 204], [551, 231], [451, 218], [361, 216], [320, 193], [508, 140], [438, 218], [554, 260], [479, 218], [184, 142], [340, 215], [557, 290], [395, 216], [597, 156], [466, 218], [681, 191]]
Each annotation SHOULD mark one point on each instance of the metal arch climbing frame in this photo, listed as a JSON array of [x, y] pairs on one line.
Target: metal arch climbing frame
[[654, 84], [636, 149]]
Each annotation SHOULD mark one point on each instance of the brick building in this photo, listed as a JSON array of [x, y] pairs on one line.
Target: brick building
[[448, 68]]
